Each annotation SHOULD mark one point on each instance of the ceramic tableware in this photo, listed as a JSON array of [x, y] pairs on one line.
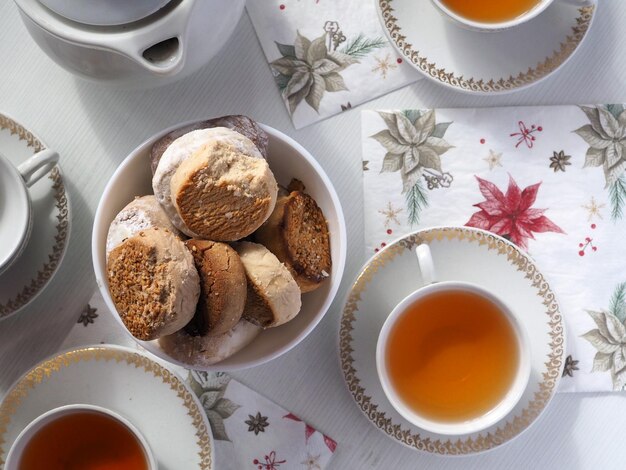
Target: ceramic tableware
[[460, 254], [484, 26], [17, 450], [432, 286], [155, 400], [42, 252], [16, 214], [287, 160], [487, 64], [136, 44]]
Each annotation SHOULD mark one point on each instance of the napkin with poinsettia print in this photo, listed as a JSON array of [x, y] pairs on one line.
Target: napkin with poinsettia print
[[249, 431], [550, 179], [327, 56]]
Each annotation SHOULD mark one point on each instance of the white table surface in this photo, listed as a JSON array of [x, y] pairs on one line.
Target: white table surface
[[94, 128]]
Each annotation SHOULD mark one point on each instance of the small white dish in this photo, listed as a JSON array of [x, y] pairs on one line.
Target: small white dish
[[460, 254], [287, 160], [42, 254], [487, 64], [18, 447], [159, 404]]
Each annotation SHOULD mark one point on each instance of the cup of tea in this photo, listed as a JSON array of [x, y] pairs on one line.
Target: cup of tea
[[80, 436], [452, 358], [495, 15], [16, 216]]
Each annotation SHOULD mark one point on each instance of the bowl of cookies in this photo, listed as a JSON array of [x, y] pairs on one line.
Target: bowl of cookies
[[219, 244]]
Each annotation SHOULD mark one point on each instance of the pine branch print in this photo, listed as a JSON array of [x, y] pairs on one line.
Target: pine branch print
[[360, 46], [618, 302], [416, 201], [617, 195]]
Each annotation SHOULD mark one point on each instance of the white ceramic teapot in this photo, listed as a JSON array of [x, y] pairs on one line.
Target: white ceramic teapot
[[133, 44]]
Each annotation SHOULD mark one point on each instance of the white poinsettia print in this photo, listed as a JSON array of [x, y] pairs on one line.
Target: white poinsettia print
[[606, 136], [609, 339], [308, 70]]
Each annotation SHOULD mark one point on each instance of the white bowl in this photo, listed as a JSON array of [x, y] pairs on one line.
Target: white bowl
[[288, 160]]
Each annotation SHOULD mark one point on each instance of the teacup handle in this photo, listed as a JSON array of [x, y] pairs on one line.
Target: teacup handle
[[37, 166], [425, 261]]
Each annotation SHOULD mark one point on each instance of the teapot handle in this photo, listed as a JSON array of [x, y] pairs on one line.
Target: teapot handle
[[159, 47]]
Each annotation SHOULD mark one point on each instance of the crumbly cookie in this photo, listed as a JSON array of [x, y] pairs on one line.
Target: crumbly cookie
[[233, 147], [242, 124], [140, 214], [204, 351], [297, 233], [222, 288], [153, 283], [222, 193], [273, 295]]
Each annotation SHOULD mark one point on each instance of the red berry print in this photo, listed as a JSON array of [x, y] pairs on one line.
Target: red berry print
[[399, 60], [376, 250], [383, 244], [482, 141], [282, 7], [525, 134], [588, 243], [389, 231]]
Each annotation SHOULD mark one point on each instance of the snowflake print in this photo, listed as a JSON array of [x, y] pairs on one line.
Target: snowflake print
[[311, 462], [257, 423], [384, 65], [493, 159], [88, 315], [391, 215], [570, 366], [270, 462], [593, 209], [525, 135]]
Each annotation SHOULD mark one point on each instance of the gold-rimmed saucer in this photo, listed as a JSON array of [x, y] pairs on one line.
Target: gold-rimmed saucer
[[460, 254], [485, 63], [121, 379]]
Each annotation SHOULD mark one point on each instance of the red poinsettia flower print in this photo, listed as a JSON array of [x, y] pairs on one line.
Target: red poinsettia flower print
[[511, 215]]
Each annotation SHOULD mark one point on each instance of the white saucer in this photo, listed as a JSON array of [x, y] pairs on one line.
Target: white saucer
[[154, 399], [33, 270], [460, 254], [479, 62]]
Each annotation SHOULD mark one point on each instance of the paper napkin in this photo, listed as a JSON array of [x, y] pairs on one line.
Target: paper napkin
[[551, 179], [327, 56], [249, 431]]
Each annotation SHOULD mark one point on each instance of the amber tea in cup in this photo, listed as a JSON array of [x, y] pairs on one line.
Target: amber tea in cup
[[452, 355], [80, 437], [490, 11]]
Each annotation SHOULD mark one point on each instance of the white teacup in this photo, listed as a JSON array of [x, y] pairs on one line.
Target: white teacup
[[502, 25], [15, 203], [500, 409], [17, 449]]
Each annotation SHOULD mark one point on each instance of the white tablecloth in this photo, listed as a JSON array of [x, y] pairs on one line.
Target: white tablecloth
[[94, 129]]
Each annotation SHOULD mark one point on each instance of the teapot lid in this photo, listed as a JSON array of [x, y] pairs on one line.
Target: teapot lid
[[104, 12]]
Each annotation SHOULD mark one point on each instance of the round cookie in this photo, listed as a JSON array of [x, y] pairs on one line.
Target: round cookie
[[242, 124], [140, 214], [297, 233], [182, 149], [153, 283], [222, 288], [203, 351], [221, 193], [273, 295]]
